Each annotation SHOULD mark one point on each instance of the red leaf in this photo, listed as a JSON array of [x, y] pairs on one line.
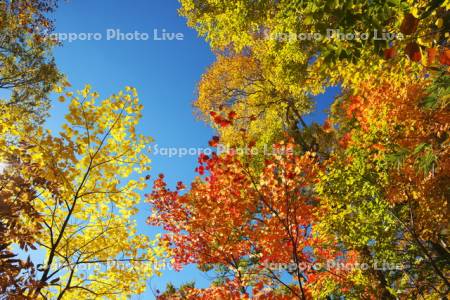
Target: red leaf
[[389, 53], [225, 123], [431, 55], [232, 115], [201, 170], [409, 24], [413, 51], [444, 57], [214, 141]]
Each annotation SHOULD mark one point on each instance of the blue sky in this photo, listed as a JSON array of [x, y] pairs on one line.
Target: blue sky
[[164, 72]]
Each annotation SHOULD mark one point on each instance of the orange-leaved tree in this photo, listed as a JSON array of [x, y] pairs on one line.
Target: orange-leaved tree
[[255, 229]]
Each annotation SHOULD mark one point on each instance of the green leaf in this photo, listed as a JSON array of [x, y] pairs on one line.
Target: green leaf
[[420, 148]]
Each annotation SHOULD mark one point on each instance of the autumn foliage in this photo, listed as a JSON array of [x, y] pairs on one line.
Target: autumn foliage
[[250, 224], [353, 205], [369, 186]]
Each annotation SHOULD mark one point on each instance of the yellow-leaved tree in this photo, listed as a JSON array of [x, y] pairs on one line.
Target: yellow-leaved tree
[[88, 180]]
